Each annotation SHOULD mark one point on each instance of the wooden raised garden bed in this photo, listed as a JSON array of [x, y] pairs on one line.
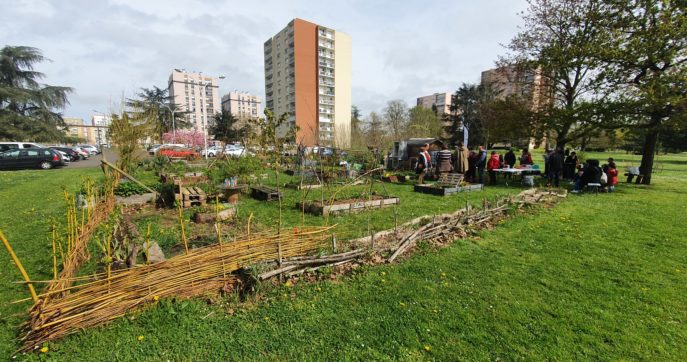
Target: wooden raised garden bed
[[265, 193], [348, 205], [446, 190], [304, 186]]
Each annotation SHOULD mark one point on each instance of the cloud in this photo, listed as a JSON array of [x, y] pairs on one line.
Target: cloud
[[401, 49]]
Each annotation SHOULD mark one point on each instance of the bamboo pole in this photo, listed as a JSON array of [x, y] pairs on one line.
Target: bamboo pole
[[54, 253], [32, 291], [128, 176], [183, 232]]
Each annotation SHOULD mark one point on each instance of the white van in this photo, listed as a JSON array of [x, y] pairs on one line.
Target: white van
[[6, 146]]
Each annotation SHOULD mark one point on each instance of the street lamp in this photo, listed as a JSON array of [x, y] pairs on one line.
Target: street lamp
[[174, 129], [205, 115]]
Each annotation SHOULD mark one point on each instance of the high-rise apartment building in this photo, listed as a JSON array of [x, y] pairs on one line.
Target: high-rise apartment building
[[527, 84], [196, 95], [308, 77], [242, 105], [101, 122], [442, 102]]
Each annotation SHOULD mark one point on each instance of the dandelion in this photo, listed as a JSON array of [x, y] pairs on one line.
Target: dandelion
[[443, 275], [288, 284], [318, 289], [140, 338], [45, 349], [427, 348], [156, 298]]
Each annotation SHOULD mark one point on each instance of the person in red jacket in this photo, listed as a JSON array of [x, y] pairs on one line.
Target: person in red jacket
[[612, 176], [493, 164]]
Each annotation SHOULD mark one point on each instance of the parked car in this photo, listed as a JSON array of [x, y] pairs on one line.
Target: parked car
[[65, 157], [6, 146], [178, 152], [44, 158], [82, 153], [90, 149], [211, 151], [73, 155]]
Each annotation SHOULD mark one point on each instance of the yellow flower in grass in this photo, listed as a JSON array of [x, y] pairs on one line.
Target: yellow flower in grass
[[156, 298], [45, 349], [140, 338], [288, 283], [427, 348]]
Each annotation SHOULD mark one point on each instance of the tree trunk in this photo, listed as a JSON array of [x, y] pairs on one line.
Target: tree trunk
[[648, 152]]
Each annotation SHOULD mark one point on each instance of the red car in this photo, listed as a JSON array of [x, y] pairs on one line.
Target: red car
[[179, 153]]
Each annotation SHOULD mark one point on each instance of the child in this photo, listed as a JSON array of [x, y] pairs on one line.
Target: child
[[612, 176]]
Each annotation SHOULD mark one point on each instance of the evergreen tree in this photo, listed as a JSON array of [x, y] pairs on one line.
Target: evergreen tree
[[28, 109]]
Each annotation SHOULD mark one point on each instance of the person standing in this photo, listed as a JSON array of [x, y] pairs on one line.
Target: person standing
[[424, 163], [570, 165], [481, 164], [555, 165], [509, 162], [526, 158], [472, 166], [444, 160], [493, 164], [462, 154]]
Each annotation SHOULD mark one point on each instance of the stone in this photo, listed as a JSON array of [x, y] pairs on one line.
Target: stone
[[155, 254], [209, 217]]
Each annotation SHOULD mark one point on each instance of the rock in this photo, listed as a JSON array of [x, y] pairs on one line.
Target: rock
[[155, 254], [209, 217]]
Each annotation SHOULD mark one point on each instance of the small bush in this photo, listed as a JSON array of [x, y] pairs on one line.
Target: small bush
[[126, 189]]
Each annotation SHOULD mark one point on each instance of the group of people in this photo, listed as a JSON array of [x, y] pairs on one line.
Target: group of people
[[471, 163], [558, 165]]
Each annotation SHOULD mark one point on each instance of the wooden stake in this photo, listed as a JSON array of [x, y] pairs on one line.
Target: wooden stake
[[54, 253], [22, 271]]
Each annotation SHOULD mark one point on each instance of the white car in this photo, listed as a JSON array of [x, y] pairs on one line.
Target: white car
[[90, 149], [211, 151]]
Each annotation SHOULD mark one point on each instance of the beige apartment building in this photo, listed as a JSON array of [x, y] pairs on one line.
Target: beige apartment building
[[529, 85], [87, 133], [197, 95], [244, 106], [442, 102], [508, 81], [308, 77]]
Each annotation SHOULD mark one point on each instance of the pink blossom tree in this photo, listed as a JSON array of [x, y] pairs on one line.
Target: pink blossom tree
[[190, 137]]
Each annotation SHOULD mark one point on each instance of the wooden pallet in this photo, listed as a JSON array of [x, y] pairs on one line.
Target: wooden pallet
[[265, 193], [190, 196], [450, 179]]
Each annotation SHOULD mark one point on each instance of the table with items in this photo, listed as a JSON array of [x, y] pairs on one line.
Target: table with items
[[522, 171]]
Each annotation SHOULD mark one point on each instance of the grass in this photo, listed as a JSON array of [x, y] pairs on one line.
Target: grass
[[597, 277]]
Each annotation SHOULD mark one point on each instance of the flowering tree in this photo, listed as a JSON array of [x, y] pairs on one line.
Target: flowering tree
[[188, 137]]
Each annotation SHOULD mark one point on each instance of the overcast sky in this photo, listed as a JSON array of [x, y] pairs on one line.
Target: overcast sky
[[401, 49]]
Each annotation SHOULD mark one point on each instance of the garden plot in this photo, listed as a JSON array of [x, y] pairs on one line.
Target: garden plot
[[347, 205]]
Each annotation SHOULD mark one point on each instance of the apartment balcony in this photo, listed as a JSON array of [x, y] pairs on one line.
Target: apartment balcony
[[326, 111], [326, 102], [326, 35], [327, 55], [327, 74], [326, 45], [326, 64], [327, 84], [325, 120]]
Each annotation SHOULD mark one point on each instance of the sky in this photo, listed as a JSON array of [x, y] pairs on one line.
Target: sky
[[109, 49]]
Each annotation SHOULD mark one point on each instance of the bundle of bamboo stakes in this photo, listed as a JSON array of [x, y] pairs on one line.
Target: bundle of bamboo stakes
[[98, 209], [111, 295]]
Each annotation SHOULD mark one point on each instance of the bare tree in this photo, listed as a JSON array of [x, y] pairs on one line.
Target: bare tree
[[396, 118]]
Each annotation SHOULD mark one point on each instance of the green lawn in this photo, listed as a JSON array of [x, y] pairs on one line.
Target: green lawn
[[598, 277]]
